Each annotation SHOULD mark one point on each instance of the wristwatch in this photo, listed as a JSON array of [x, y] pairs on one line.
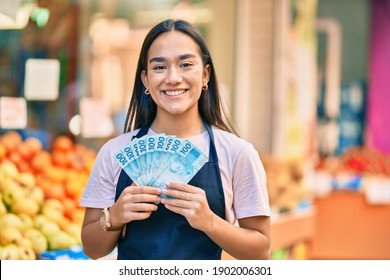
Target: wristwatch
[[105, 221]]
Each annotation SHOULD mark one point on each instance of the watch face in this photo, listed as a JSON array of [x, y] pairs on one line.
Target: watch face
[[103, 219]]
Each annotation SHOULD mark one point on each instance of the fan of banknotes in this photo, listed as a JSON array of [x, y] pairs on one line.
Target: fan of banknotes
[[154, 160]]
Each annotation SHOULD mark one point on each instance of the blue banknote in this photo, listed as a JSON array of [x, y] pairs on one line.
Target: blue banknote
[[155, 160], [182, 166]]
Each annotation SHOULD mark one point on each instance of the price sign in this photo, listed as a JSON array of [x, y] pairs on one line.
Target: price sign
[[42, 80], [13, 113]]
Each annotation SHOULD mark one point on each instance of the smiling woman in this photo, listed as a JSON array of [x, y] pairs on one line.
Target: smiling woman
[[175, 77], [176, 93]]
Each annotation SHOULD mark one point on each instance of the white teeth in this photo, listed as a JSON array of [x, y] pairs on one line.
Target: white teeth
[[174, 92]]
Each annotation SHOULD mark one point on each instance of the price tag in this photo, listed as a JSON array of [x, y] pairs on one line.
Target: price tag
[[13, 113], [42, 80], [377, 190]]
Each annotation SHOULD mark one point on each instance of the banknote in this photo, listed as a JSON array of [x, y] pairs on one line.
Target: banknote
[[155, 160], [129, 166], [182, 165]]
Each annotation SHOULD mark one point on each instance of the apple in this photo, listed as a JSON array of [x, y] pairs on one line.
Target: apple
[[7, 182], [10, 220], [25, 205], [53, 215], [9, 169], [53, 209], [74, 231], [3, 177], [27, 253], [37, 194], [39, 220], [27, 221], [10, 252], [27, 179], [10, 236], [12, 193], [60, 240], [53, 204], [49, 228], [38, 240], [23, 242], [3, 208]]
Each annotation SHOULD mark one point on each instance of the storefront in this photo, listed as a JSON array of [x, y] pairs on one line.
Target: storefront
[[304, 81]]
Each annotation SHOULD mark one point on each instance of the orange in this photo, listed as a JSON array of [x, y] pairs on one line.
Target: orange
[[60, 158], [54, 191], [3, 151], [34, 145], [69, 205], [63, 143]]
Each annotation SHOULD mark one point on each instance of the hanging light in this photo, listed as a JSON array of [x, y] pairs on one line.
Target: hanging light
[[40, 16]]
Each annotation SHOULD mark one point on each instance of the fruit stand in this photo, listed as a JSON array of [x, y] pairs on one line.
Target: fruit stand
[[40, 191]]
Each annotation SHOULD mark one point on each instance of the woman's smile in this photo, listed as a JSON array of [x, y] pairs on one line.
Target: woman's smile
[[174, 92]]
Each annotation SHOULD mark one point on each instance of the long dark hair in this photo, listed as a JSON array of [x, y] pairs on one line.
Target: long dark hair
[[142, 109]]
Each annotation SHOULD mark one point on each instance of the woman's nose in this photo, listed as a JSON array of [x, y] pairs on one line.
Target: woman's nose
[[173, 76]]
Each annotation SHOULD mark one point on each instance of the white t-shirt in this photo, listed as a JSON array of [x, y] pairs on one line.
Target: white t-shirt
[[243, 175]]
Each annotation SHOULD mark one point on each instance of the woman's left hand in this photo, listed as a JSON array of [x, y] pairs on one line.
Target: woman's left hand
[[189, 201]]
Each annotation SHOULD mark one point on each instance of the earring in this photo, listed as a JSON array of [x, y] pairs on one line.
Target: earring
[[205, 87], [147, 91]]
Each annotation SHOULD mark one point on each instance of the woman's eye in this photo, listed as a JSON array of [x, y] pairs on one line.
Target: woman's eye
[[158, 67], [184, 65]]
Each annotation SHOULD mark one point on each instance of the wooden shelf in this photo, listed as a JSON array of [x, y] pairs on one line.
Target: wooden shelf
[[289, 229]]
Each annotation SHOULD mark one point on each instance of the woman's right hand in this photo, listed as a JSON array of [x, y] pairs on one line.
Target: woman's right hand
[[135, 203]]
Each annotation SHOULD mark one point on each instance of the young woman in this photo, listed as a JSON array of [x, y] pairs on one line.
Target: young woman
[[224, 206]]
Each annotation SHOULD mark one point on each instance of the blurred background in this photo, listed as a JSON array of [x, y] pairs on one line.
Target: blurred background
[[306, 81]]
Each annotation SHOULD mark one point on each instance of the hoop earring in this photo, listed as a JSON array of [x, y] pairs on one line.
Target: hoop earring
[[147, 91], [205, 87]]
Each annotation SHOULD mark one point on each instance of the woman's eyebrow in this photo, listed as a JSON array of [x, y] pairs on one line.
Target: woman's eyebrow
[[163, 59]]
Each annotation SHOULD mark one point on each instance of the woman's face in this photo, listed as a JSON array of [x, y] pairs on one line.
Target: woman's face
[[175, 74]]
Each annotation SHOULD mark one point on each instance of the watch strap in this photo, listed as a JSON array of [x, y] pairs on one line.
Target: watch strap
[[108, 226]]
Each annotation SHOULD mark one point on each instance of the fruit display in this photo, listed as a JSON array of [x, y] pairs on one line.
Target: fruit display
[[362, 169], [39, 195], [359, 160], [285, 182]]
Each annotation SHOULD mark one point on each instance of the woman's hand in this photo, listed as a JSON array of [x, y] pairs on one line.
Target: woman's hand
[[135, 203], [191, 202]]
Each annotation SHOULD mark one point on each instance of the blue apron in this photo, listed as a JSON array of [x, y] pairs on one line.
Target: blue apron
[[166, 235]]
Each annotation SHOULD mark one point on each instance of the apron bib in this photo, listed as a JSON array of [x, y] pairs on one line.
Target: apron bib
[[166, 235]]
